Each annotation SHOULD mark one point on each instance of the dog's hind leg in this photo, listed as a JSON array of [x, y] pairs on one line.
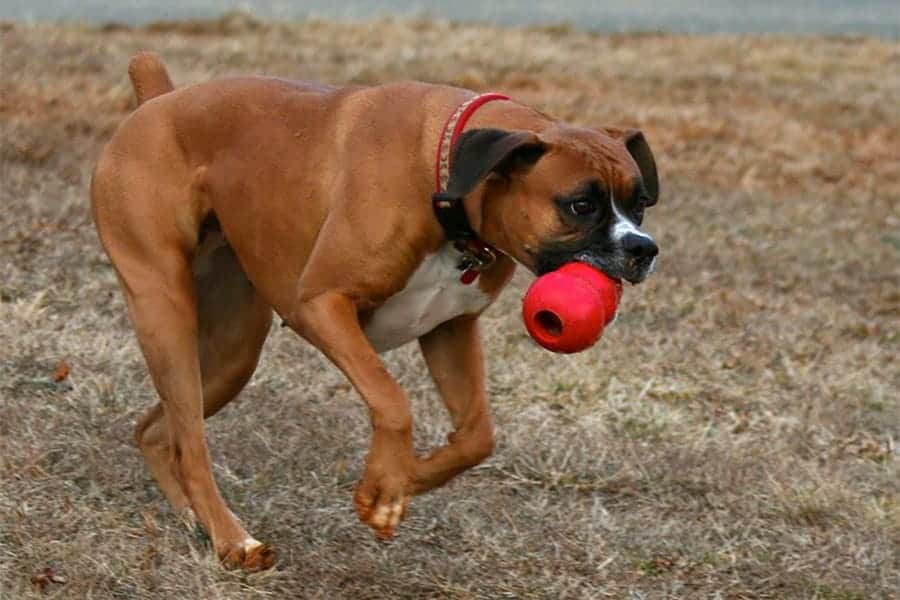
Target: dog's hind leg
[[233, 323], [152, 437], [184, 352]]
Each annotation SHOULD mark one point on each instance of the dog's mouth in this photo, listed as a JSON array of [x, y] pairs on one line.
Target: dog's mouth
[[618, 266], [615, 264]]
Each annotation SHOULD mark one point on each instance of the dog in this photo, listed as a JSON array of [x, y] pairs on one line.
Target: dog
[[366, 218]]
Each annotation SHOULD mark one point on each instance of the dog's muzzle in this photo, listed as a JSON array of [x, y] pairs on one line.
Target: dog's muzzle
[[633, 258]]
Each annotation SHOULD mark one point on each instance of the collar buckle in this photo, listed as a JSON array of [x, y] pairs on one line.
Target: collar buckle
[[476, 256]]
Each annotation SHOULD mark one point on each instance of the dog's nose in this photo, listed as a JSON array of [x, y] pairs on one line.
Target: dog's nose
[[639, 246]]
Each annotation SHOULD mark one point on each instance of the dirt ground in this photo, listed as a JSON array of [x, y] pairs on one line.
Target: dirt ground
[[734, 435]]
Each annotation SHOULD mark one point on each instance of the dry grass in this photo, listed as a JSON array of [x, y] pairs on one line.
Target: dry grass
[[732, 437]]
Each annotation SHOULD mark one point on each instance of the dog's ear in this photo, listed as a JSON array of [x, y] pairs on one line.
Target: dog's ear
[[481, 152], [640, 151]]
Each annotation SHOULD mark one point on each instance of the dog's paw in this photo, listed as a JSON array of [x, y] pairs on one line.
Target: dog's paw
[[382, 512], [249, 555]]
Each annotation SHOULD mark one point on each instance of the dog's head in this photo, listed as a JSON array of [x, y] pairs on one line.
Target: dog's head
[[566, 194]]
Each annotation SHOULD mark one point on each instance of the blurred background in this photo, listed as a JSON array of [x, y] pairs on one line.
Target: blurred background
[[876, 17]]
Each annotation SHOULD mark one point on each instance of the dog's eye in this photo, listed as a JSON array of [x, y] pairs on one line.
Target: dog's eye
[[583, 207]]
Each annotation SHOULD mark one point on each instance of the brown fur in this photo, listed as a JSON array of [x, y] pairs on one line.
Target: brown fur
[[149, 77], [322, 194]]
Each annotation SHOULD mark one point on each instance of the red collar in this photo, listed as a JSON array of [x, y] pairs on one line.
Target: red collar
[[477, 254]]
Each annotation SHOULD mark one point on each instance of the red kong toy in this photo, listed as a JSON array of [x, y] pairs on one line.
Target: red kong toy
[[566, 310]]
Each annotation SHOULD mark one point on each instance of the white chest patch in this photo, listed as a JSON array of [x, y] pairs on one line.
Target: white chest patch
[[434, 294]]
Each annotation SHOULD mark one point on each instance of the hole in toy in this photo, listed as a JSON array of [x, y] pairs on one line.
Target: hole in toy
[[549, 322]]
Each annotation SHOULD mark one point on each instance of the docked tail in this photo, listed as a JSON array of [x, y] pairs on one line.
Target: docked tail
[[148, 76]]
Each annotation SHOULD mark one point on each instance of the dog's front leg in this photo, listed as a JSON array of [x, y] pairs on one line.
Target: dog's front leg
[[330, 322], [454, 357]]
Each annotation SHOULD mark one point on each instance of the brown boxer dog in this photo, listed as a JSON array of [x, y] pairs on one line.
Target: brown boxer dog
[[221, 202]]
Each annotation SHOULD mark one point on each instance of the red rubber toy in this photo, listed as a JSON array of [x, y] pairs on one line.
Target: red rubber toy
[[566, 310]]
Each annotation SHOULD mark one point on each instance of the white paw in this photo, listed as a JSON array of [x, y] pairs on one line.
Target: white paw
[[250, 543], [387, 515]]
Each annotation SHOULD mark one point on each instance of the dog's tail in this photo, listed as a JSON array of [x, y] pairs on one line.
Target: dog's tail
[[148, 76]]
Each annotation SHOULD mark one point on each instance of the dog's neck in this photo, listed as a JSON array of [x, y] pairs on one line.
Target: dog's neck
[[459, 219], [450, 193]]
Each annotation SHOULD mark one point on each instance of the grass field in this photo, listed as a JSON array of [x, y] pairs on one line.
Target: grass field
[[734, 435]]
